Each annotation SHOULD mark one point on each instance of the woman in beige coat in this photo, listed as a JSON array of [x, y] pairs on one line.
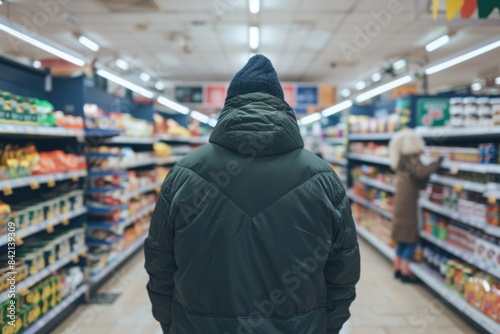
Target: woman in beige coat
[[405, 150]]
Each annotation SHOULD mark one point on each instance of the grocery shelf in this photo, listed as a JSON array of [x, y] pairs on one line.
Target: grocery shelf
[[369, 158], [471, 167], [335, 141], [452, 297], [183, 139], [370, 206], [45, 272], [385, 249], [467, 257], [452, 182], [40, 179], [336, 161], [371, 136], [483, 225], [142, 190], [131, 140], [441, 134], [38, 131], [377, 184], [124, 255], [23, 233], [135, 164], [58, 309], [102, 133], [139, 214]]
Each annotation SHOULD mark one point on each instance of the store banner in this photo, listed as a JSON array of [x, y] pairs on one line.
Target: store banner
[[486, 7], [469, 7], [289, 91], [404, 90], [215, 95], [327, 96], [433, 112], [453, 7], [189, 94], [307, 95], [435, 7]]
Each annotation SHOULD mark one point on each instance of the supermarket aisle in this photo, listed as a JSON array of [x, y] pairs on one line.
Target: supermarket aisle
[[383, 306]]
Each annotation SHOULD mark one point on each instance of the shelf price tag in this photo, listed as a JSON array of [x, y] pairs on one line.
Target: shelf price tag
[[83, 253], [19, 241], [34, 184], [51, 183], [457, 187], [65, 221], [50, 228], [454, 170], [23, 291], [75, 177], [7, 190], [75, 259], [492, 199]]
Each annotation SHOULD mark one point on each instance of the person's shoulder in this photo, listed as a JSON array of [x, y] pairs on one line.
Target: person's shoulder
[[313, 162]]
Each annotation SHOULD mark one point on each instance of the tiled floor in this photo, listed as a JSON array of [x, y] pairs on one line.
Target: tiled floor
[[383, 306]]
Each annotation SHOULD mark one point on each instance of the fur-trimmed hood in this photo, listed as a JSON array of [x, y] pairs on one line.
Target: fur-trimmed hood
[[404, 142]]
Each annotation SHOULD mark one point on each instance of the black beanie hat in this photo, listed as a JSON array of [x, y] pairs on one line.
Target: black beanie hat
[[258, 75]]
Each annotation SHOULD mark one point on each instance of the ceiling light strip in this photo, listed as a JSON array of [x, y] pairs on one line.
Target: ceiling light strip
[[125, 83], [173, 105], [337, 108], [384, 88], [34, 39]]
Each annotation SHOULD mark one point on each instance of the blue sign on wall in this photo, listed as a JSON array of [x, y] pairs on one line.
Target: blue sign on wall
[[307, 95]]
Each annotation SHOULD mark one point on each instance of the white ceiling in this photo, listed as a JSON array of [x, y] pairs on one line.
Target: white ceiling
[[301, 37]]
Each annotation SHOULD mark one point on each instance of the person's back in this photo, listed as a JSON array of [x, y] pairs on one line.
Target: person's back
[[252, 233]]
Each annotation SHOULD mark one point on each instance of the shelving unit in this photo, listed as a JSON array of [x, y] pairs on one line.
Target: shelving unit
[[471, 167], [426, 204], [48, 270], [452, 182], [458, 133], [370, 136], [368, 158], [370, 206], [16, 130], [336, 161], [467, 257], [41, 179], [335, 141], [377, 184]]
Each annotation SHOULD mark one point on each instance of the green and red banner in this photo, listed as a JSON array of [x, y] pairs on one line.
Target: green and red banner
[[467, 8]]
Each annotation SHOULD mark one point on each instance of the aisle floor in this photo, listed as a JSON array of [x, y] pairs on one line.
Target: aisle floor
[[383, 306]]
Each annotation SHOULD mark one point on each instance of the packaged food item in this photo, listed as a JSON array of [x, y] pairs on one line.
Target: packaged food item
[[475, 290], [484, 112], [470, 111], [491, 303], [457, 112]]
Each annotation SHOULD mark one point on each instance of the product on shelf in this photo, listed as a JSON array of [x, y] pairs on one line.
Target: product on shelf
[[336, 131], [170, 127], [469, 112], [371, 148], [373, 222], [366, 124]]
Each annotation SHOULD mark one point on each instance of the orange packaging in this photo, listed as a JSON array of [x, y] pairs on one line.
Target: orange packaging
[[491, 303]]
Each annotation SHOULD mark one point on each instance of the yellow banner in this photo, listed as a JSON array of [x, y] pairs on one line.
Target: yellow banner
[[435, 7], [453, 7]]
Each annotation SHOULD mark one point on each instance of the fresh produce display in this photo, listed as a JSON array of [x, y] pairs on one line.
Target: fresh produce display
[[16, 161], [40, 299]]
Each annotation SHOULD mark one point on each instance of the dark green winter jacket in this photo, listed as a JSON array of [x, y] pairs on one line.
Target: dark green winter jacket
[[252, 233]]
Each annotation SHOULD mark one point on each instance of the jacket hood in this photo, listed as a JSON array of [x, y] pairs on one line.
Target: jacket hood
[[257, 124]]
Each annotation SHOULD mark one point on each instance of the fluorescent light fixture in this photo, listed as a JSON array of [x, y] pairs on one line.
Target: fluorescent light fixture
[[254, 37], [125, 83], [160, 85], [399, 64], [1, 2], [336, 108], [122, 64], [376, 77], [254, 6], [497, 81], [310, 118], [476, 86], [434, 45], [384, 88], [145, 77], [200, 117], [37, 64], [212, 122], [173, 105], [460, 59], [35, 40], [346, 92], [85, 41], [360, 85]]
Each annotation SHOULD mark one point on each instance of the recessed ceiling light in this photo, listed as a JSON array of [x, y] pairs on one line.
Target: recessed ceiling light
[[253, 37], [254, 6], [476, 86], [346, 92], [122, 64], [399, 64], [145, 77], [160, 85], [360, 85], [376, 77]]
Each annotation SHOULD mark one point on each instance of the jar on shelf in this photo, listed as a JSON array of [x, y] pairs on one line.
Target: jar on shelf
[[470, 112], [457, 112], [495, 110], [484, 112]]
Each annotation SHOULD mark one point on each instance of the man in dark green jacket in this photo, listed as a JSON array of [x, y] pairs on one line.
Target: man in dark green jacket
[[252, 233]]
